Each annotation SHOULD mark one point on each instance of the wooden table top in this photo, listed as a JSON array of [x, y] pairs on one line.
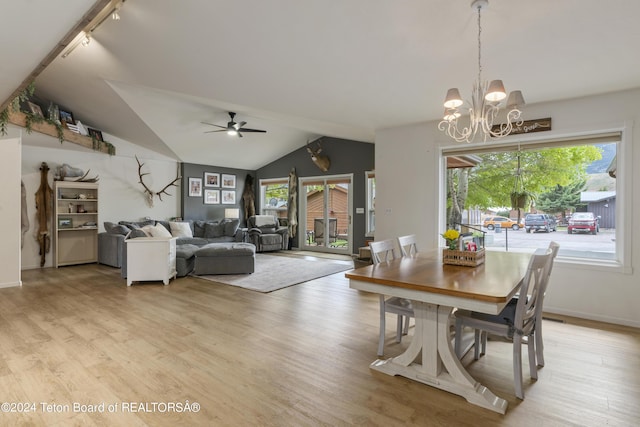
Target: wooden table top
[[494, 281]]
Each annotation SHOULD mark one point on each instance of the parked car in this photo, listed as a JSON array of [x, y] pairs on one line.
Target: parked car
[[491, 221], [539, 222], [584, 222]]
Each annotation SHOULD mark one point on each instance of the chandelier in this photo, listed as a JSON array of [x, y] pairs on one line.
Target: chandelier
[[486, 103]]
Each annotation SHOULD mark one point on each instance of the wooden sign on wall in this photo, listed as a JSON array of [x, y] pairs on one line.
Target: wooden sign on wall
[[528, 126]]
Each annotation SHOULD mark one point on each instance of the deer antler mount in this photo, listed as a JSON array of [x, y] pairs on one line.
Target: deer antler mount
[[149, 193], [322, 162]]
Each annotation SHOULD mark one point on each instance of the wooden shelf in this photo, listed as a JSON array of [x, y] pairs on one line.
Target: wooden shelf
[[20, 119]]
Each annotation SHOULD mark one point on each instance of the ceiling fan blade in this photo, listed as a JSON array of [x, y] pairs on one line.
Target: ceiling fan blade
[[211, 124], [237, 126], [253, 130], [239, 134], [221, 130]]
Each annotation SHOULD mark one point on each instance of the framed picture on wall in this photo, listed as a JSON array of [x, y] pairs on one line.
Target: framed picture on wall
[[228, 181], [195, 187], [211, 197], [211, 179], [228, 197]]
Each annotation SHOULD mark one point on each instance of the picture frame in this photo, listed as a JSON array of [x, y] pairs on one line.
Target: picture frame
[[66, 117], [95, 134], [228, 181], [211, 197], [64, 222], [195, 187], [211, 179], [228, 197], [35, 109]]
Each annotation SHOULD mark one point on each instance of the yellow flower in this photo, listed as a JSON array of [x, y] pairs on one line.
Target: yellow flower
[[451, 234]]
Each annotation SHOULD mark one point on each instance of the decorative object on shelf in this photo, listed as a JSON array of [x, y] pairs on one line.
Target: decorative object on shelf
[[65, 171], [150, 193], [35, 109], [451, 236], [66, 118], [228, 181], [53, 113], [322, 162], [44, 205], [228, 197], [82, 130], [95, 134], [485, 105], [65, 223], [195, 187], [211, 197], [211, 179]]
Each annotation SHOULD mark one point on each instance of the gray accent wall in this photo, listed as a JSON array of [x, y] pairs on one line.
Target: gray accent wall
[[194, 207], [346, 157]]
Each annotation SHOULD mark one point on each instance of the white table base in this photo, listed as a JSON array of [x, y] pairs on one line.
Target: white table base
[[439, 366]]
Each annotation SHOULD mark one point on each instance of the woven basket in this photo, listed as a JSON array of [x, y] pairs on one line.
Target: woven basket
[[465, 258]]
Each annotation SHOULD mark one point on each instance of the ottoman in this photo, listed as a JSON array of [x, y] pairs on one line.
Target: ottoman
[[225, 258], [185, 259]]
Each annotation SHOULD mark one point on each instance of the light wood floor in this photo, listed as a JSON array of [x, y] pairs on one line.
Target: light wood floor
[[295, 357]]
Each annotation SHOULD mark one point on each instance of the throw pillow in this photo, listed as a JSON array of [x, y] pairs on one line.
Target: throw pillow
[[180, 229], [198, 228], [230, 227], [119, 229], [213, 229], [136, 232], [156, 231]]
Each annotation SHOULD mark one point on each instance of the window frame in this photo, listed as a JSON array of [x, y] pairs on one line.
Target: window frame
[[622, 261]]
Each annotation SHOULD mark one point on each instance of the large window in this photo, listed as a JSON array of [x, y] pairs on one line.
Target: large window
[[274, 194], [552, 179]]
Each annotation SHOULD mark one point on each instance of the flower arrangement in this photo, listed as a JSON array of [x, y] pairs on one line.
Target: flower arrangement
[[451, 236]]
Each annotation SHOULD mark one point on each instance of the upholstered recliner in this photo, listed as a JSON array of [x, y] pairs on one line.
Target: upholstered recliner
[[266, 233]]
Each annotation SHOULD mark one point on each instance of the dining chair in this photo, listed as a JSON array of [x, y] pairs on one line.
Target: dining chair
[[383, 251], [522, 324], [408, 245], [510, 312]]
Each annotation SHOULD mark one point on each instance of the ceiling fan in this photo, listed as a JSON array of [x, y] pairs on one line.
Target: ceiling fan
[[233, 128]]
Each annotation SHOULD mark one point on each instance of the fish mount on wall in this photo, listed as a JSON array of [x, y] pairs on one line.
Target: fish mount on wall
[[149, 193]]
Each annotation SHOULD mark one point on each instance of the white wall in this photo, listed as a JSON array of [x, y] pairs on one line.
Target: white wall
[[10, 196], [120, 195], [409, 195]]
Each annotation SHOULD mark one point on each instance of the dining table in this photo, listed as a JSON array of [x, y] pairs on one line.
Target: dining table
[[435, 290]]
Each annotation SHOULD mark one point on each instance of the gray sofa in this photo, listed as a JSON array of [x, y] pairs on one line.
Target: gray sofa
[[112, 249]]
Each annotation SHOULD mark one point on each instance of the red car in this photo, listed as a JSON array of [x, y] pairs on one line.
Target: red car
[[583, 221]]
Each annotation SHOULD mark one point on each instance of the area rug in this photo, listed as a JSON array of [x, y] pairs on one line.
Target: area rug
[[275, 272]]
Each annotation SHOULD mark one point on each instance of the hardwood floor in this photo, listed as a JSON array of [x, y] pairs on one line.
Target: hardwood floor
[[295, 357]]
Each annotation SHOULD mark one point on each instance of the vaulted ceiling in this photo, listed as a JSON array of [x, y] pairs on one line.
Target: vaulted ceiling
[[301, 69]]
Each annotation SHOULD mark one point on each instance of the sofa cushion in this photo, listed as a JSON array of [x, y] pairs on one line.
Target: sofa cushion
[[137, 224], [230, 227], [180, 229], [137, 232], [199, 241], [198, 228], [113, 228], [213, 229], [226, 250], [165, 224], [157, 230]]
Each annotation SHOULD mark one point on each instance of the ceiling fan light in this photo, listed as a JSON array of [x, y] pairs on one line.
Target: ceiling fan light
[[453, 98], [496, 92], [515, 100], [232, 132]]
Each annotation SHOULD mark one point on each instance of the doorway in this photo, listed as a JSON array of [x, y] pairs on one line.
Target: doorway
[[325, 214]]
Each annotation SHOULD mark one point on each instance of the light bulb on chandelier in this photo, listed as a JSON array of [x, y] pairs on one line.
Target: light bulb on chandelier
[[486, 99]]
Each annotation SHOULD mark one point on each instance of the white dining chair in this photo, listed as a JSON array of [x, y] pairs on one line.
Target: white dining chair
[[511, 324], [408, 245], [383, 251]]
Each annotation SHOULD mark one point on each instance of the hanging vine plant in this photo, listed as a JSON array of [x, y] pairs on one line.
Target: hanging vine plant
[[520, 197]]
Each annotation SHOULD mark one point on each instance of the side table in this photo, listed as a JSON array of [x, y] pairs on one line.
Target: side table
[[151, 258]]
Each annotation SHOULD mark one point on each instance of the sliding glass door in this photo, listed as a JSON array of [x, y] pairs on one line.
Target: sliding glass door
[[325, 214]]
